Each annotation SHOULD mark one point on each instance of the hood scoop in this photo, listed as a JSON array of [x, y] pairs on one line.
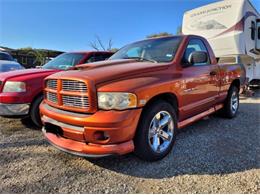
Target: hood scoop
[[103, 64]]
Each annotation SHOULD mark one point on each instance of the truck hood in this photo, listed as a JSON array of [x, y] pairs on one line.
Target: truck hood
[[109, 70], [23, 74]]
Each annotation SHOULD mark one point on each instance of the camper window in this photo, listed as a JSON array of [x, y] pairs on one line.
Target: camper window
[[253, 30], [258, 33], [227, 60]]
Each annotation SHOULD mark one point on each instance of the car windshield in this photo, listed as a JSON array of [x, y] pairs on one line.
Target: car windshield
[[64, 61], [5, 56], [10, 67], [154, 50]]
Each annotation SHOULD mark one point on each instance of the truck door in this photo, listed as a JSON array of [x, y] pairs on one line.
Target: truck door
[[201, 83]]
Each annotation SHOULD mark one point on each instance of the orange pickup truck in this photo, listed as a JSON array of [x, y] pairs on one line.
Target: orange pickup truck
[[138, 99]]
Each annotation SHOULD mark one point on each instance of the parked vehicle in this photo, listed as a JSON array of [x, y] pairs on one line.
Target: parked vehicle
[[232, 28], [136, 100], [21, 92], [8, 63]]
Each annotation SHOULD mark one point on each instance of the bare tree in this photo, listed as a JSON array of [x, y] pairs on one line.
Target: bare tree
[[98, 44], [110, 44], [94, 45]]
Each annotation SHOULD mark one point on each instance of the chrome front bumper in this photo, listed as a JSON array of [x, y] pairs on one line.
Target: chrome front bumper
[[14, 109]]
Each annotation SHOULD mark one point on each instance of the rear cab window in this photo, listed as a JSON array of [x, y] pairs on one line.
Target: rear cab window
[[95, 57]]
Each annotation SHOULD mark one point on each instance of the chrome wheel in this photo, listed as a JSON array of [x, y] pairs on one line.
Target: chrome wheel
[[161, 131], [234, 102]]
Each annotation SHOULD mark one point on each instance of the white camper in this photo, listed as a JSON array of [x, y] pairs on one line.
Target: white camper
[[232, 28]]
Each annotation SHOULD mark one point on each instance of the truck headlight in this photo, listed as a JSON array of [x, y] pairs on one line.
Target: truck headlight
[[116, 100], [14, 86]]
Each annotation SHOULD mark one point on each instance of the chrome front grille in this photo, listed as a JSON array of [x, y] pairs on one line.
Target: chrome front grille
[[77, 86], [68, 94], [75, 101], [52, 84], [52, 97]]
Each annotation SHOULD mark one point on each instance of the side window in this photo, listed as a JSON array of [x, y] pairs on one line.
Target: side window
[[253, 30], [97, 57], [134, 52], [194, 45], [107, 55], [90, 59]]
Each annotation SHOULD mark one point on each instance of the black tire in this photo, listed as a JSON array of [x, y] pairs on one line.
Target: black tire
[[228, 111], [143, 148], [35, 111]]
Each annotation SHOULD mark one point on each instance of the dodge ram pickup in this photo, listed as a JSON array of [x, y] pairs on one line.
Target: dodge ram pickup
[[138, 99], [21, 91]]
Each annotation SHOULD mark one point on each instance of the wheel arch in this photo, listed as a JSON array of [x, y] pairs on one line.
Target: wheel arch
[[169, 97], [35, 98], [235, 83]]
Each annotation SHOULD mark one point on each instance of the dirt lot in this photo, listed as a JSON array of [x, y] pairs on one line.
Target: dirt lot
[[212, 156]]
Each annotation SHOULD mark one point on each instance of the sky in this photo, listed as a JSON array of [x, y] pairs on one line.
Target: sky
[[70, 25]]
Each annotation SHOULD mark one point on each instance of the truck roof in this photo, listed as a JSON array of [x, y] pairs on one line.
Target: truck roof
[[87, 52]]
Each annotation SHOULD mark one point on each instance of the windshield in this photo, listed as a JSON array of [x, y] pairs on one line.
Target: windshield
[[64, 61], [154, 50], [10, 67], [5, 56]]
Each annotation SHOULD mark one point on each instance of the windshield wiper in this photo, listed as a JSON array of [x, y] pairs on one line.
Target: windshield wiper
[[141, 59]]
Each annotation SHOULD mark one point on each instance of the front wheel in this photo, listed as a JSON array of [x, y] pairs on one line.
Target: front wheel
[[156, 131], [35, 111]]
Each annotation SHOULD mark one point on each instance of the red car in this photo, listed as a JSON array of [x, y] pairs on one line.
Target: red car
[[21, 91]]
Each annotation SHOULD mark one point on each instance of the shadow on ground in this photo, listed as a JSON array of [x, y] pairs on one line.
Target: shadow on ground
[[27, 122], [213, 146]]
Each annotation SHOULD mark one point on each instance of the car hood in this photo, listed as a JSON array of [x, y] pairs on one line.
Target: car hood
[[105, 71], [25, 73]]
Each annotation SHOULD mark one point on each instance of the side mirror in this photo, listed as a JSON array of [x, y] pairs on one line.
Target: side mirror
[[198, 57], [15, 60]]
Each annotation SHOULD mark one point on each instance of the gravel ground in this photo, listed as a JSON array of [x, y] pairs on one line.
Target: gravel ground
[[215, 155]]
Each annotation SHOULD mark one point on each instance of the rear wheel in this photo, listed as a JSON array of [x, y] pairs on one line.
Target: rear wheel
[[232, 103], [35, 111], [156, 131]]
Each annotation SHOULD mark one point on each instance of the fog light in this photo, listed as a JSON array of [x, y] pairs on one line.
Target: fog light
[[101, 136]]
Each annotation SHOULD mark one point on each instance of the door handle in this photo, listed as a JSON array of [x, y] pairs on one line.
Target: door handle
[[213, 73]]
